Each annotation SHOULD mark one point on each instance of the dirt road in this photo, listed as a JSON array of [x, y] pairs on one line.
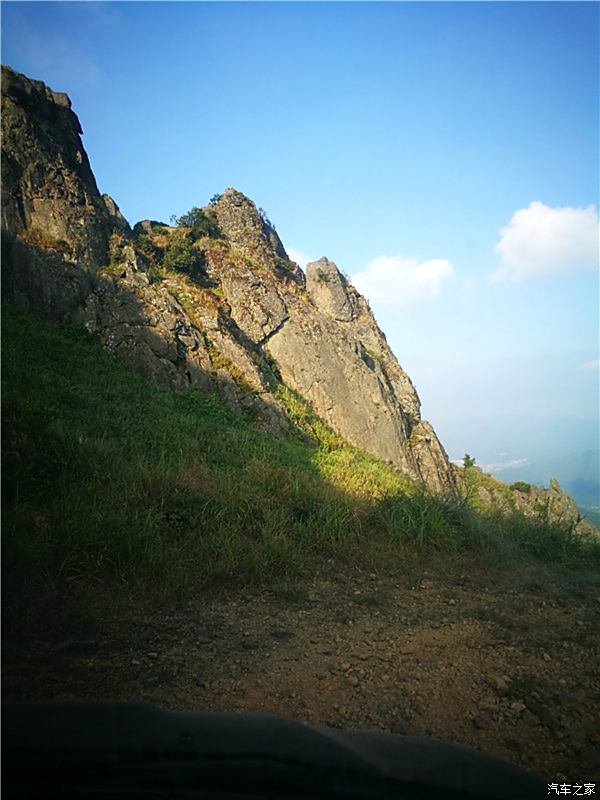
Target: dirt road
[[508, 663]]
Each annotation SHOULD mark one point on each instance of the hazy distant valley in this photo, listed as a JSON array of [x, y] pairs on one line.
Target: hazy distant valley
[[578, 474], [533, 450]]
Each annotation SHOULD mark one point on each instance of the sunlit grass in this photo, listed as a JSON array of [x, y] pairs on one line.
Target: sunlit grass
[[108, 480]]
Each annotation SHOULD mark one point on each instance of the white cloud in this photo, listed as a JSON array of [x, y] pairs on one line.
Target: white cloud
[[298, 256], [590, 366], [396, 281], [543, 240], [514, 463]]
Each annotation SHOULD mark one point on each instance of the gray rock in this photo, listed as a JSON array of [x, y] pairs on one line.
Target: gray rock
[[325, 344], [543, 713], [254, 236], [145, 226], [530, 718], [355, 384], [48, 190], [328, 289], [76, 647], [536, 502], [282, 634], [116, 218], [513, 744], [499, 684], [256, 304], [68, 251]]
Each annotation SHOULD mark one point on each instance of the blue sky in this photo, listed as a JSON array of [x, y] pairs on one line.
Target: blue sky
[[444, 155]]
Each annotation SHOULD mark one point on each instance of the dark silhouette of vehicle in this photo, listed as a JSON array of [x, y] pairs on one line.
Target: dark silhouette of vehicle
[[132, 750]]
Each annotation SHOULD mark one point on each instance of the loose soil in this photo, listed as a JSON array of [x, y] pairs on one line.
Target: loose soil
[[504, 662]]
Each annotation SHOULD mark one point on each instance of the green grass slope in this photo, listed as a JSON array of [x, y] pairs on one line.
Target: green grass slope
[[109, 481]]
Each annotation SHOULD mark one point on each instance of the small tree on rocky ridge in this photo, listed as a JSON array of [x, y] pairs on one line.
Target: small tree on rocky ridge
[[199, 222]]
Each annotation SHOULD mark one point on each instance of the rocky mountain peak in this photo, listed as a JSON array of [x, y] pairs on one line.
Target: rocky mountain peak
[[248, 228], [49, 189], [329, 290], [221, 307], [117, 219]]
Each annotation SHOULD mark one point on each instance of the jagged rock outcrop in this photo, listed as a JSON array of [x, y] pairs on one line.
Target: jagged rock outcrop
[[326, 344], [550, 504], [48, 188], [328, 290], [146, 326], [68, 251], [256, 305], [252, 233], [348, 372], [220, 307], [117, 220]]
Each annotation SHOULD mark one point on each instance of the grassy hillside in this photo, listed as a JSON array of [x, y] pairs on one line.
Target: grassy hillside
[[110, 481]]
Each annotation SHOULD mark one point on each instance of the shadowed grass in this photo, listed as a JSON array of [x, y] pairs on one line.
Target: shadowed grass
[[108, 480]]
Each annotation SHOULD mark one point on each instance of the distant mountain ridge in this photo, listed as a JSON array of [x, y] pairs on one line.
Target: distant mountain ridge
[[578, 474]]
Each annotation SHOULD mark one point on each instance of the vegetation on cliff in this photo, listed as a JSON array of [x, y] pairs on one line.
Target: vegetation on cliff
[[203, 431], [110, 480]]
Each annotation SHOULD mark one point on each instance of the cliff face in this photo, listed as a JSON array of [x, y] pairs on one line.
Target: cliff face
[[241, 319], [324, 342], [68, 251], [332, 352], [217, 304], [49, 190]]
